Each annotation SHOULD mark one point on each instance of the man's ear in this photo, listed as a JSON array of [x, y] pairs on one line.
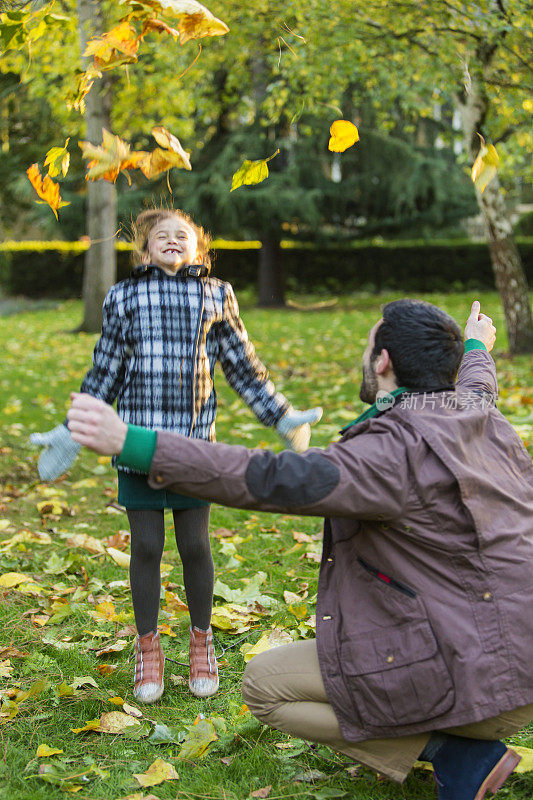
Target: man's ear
[[383, 363]]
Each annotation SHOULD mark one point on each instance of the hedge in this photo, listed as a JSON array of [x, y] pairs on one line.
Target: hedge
[[45, 269]]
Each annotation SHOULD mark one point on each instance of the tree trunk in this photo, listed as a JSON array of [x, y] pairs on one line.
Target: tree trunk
[[509, 274], [100, 260], [271, 284]]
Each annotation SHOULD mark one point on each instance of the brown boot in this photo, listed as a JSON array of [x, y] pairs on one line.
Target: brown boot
[[149, 667], [203, 670]]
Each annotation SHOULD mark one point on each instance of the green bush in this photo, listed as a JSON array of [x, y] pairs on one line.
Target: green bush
[[55, 269]]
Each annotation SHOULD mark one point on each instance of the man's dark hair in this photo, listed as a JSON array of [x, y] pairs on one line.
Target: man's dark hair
[[425, 344]]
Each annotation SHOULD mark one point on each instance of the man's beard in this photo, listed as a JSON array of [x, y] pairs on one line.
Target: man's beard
[[369, 385]]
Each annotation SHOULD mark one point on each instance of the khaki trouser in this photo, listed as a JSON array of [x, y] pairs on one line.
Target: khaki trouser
[[283, 688]]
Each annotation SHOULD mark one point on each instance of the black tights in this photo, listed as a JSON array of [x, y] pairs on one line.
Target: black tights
[[191, 526]]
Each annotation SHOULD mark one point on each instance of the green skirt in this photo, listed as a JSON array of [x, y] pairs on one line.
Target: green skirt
[[134, 492]]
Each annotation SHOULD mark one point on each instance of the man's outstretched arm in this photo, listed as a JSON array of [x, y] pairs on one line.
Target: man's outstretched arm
[[366, 477]]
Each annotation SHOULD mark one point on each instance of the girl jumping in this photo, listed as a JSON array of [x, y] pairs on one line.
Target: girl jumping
[[164, 328]]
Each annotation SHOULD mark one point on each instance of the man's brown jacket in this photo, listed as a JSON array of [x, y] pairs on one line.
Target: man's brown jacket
[[424, 611]]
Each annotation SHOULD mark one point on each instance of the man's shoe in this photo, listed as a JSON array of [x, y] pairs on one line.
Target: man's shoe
[[466, 769], [149, 667], [203, 670]]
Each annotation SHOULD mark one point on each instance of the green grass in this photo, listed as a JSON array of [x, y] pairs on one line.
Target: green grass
[[314, 358]]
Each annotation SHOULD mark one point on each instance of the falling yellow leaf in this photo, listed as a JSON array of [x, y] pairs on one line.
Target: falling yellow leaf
[[43, 751], [485, 166], [117, 46], [195, 20], [344, 134], [251, 172], [122, 559], [45, 188], [274, 638], [57, 160], [10, 579], [159, 772]]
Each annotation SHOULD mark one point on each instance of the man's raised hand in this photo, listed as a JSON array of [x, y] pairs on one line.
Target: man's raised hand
[[96, 425], [479, 326]]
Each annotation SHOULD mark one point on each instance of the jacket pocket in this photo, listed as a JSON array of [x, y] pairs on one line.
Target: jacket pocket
[[397, 675]]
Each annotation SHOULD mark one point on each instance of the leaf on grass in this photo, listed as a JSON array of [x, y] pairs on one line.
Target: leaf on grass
[[45, 188], [251, 172], [485, 166], [526, 754], [64, 690], [273, 638], [120, 558], [174, 605], [106, 669], [86, 542], [85, 680], [159, 772], [344, 134], [264, 792], [198, 739], [10, 579], [119, 645], [53, 507], [57, 160], [310, 775], [6, 668], [26, 536], [119, 540], [179, 680], [132, 711], [163, 734], [166, 630], [43, 751]]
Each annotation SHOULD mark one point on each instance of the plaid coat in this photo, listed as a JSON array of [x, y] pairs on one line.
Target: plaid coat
[[161, 338]]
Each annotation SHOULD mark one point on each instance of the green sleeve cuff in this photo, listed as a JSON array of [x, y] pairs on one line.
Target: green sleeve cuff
[[474, 344], [139, 449]]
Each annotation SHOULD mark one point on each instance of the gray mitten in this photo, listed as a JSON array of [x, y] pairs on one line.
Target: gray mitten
[[60, 451], [294, 427]]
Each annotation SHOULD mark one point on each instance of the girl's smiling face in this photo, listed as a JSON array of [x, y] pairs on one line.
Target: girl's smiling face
[[172, 244]]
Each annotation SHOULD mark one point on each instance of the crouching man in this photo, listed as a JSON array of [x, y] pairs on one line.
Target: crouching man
[[424, 613]]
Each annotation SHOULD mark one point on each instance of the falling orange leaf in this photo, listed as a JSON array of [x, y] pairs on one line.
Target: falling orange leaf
[[117, 46], [45, 188], [344, 134], [111, 157]]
